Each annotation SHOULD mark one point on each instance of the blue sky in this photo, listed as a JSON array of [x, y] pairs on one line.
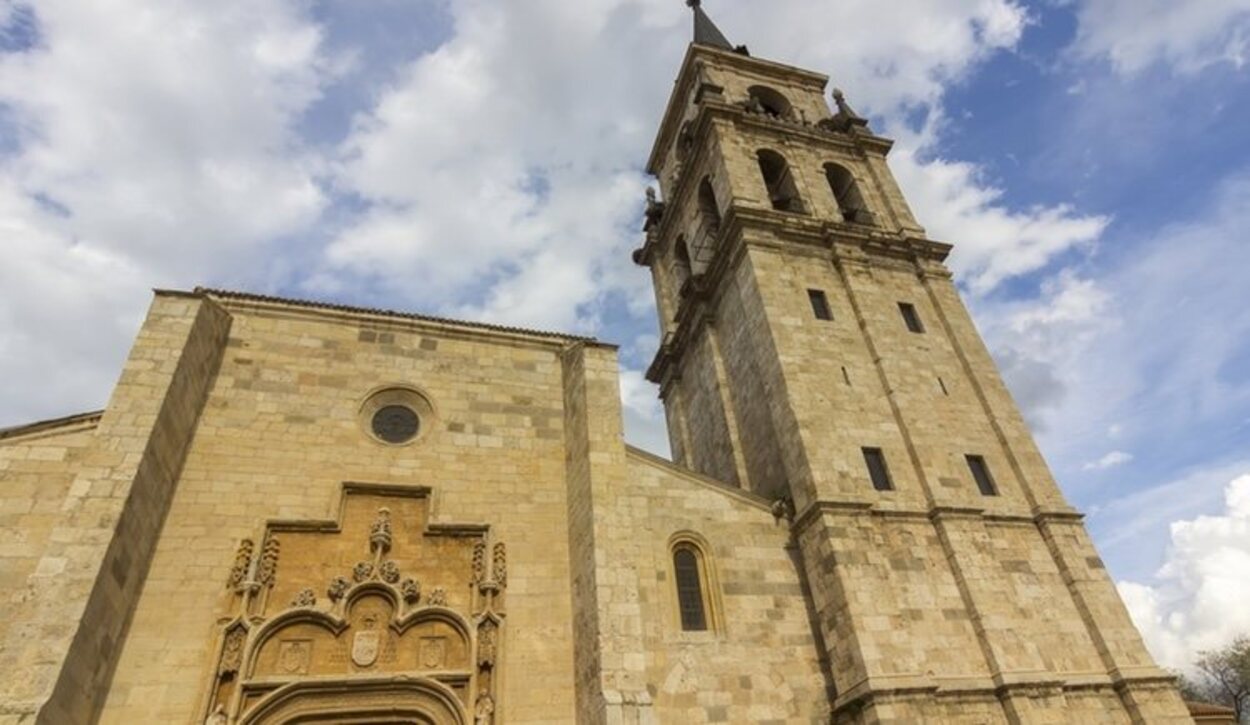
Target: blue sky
[[483, 159]]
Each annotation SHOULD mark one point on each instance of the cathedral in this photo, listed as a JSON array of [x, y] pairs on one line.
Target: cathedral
[[303, 512]]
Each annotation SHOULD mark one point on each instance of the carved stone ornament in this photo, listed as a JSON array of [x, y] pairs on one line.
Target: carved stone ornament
[[479, 562], [232, 651], [365, 647], [341, 617], [338, 588], [242, 564], [487, 644], [484, 710], [268, 569], [380, 533], [218, 717], [501, 564], [306, 598]]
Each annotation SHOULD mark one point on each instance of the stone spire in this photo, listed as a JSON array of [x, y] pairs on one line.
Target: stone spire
[[705, 31]]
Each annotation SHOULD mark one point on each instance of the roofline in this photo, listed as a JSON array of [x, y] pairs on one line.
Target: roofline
[[742, 495], [228, 295], [90, 418]]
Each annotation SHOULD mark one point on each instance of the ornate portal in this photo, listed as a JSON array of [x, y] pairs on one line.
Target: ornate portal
[[379, 614]]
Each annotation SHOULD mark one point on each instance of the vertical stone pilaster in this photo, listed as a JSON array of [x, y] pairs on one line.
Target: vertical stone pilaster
[[609, 652], [144, 434]]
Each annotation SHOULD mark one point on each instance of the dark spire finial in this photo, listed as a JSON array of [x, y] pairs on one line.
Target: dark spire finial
[[705, 31]]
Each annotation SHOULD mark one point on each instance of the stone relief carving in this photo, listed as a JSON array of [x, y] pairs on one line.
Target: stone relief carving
[[479, 562], [411, 589], [376, 621], [438, 597], [500, 566], [305, 598], [338, 588], [268, 562], [242, 564], [232, 651]]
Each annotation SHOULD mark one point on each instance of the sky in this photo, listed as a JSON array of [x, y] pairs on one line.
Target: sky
[[482, 159]]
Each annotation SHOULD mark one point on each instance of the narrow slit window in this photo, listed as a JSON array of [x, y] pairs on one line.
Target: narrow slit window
[[877, 469], [942, 385], [689, 590], [820, 304], [911, 317], [981, 472]]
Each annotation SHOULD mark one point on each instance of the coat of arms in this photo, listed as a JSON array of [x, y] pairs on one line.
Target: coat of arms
[[365, 647]]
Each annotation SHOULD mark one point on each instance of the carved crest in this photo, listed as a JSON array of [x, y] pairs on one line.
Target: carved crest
[[365, 647], [294, 656], [433, 652]]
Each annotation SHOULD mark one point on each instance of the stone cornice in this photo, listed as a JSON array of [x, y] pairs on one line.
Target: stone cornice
[[54, 426], [233, 301], [720, 487]]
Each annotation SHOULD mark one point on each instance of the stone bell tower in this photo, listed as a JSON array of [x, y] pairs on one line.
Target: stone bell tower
[[816, 352]]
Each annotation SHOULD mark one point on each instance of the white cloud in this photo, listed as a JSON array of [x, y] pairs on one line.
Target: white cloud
[[501, 179], [1145, 350], [1186, 35], [1197, 601], [993, 243], [1111, 460], [156, 146]]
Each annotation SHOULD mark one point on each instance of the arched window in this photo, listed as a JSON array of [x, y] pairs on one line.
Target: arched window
[[767, 101], [782, 191], [709, 210], [688, 571], [846, 192]]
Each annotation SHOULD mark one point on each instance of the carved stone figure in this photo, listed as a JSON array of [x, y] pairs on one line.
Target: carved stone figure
[[218, 716], [380, 532], [484, 711], [487, 644], [242, 563], [411, 589], [338, 588], [389, 572]]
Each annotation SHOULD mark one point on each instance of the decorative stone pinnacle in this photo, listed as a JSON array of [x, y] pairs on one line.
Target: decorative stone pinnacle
[[694, 3]]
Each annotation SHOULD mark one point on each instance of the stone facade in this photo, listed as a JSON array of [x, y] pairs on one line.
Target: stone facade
[[294, 511]]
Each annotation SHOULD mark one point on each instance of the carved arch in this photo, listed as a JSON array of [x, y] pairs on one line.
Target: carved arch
[[426, 700]]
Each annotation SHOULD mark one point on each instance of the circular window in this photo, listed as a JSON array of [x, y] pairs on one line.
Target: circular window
[[396, 424], [396, 415]]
